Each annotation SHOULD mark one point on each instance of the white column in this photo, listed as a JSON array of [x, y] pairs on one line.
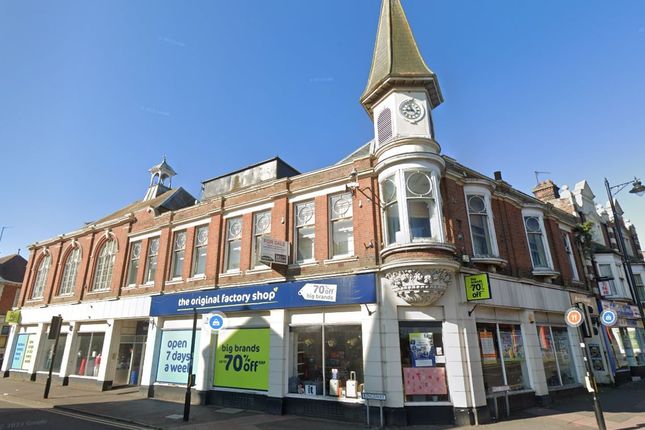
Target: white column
[[66, 366], [277, 353], [8, 352], [38, 339], [461, 351], [390, 348], [533, 352], [152, 346], [203, 371], [107, 366]]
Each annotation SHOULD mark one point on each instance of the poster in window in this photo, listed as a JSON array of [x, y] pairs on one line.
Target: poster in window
[[425, 381], [512, 347], [422, 349], [488, 347]]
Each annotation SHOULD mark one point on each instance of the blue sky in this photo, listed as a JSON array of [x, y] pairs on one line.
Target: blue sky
[[94, 93]]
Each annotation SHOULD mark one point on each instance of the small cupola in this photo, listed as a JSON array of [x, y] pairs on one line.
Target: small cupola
[[160, 179]]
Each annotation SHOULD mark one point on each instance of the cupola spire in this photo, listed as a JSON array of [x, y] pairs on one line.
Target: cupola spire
[[397, 60], [160, 179]]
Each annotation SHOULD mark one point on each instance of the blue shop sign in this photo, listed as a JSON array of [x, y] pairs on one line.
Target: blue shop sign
[[342, 290]]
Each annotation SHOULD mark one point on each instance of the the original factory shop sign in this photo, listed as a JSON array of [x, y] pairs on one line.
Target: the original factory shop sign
[[341, 290]]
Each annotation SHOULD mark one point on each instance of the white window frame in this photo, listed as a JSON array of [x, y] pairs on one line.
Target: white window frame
[[131, 258], [309, 223], [568, 249], [232, 236], [258, 234], [436, 220], [335, 219], [175, 251], [101, 269], [38, 291], [533, 213], [612, 281], [473, 190], [70, 271], [196, 247], [152, 259]]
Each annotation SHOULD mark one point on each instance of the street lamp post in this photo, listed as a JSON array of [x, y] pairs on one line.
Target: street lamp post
[[638, 189]]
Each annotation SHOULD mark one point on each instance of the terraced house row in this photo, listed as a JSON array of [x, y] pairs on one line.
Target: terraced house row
[[370, 297]]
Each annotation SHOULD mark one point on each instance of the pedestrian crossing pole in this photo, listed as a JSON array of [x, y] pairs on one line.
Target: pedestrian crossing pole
[[586, 330], [191, 378], [54, 333]]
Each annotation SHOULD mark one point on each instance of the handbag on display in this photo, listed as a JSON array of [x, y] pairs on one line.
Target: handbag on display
[[334, 388], [351, 385]]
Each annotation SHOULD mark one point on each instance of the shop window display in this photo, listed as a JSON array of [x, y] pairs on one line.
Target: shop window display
[[423, 362], [327, 361], [503, 357], [556, 356], [88, 354], [48, 349]]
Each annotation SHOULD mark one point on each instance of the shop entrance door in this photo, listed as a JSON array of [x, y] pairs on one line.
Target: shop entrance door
[[130, 360]]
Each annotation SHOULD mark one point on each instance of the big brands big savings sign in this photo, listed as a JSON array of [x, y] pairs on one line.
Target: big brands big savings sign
[[342, 290]]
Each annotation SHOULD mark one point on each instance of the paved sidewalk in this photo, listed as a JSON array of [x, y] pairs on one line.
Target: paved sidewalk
[[624, 409]]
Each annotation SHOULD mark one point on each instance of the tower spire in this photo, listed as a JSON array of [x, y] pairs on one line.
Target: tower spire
[[397, 60]]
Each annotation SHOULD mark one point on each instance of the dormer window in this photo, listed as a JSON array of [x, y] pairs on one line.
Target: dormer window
[[417, 219]]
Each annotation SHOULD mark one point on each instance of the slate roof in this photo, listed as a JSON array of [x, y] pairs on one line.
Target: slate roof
[[12, 268]]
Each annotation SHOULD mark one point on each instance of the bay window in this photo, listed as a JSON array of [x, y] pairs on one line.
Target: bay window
[[409, 201]]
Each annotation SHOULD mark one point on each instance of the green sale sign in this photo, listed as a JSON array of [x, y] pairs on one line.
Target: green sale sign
[[242, 359]]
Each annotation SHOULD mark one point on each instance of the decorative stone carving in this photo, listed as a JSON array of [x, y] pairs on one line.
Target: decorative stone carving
[[419, 288]]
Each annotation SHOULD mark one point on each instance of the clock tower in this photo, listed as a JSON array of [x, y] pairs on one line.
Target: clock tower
[[401, 90]]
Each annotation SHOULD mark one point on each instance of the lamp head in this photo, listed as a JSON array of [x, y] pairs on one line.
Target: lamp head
[[638, 188]]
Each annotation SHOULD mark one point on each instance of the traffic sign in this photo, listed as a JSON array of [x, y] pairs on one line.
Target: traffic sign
[[608, 317], [573, 317], [215, 320]]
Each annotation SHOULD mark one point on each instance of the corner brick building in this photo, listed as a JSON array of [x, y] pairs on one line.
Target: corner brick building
[[372, 298]]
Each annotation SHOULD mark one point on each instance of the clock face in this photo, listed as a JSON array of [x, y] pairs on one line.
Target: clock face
[[411, 110]]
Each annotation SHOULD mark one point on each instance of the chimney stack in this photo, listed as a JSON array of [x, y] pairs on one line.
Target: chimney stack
[[547, 191]]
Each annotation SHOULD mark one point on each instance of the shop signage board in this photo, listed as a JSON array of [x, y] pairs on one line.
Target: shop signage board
[[608, 317], [477, 287], [174, 356], [274, 251], [573, 317], [242, 359], [605, 288], [12, 317], [343, 290]]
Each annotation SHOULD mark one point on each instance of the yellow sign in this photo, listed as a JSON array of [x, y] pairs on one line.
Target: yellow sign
[[477, 287], [13, 317]]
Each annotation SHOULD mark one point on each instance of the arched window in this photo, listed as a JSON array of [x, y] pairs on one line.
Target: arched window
[[41, 278], [104, 266], [70, 271]]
